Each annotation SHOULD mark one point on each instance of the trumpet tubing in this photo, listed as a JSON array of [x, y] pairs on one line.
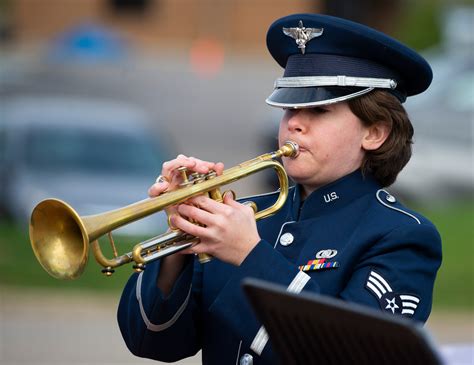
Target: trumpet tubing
[[60, 238]]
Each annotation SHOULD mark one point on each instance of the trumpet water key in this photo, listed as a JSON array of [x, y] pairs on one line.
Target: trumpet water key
[[60, 238]]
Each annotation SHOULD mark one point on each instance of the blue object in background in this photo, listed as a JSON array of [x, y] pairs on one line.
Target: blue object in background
[[88, 43]]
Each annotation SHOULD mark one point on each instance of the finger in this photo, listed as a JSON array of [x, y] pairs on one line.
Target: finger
[[229, 199], [169, 167], [196, 214], [209, 204], [188, 227], [158, 188], [227, 193], [219, 168], [201, 248], [191, 163], [201, 166], [187, 251]]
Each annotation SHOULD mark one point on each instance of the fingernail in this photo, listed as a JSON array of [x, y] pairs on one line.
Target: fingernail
[[228, 194], [172, 221]]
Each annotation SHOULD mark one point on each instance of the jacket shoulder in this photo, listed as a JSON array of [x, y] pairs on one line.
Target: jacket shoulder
[[390, 209]]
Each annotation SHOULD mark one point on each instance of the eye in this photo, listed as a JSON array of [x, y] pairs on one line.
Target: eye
[[318, 110]]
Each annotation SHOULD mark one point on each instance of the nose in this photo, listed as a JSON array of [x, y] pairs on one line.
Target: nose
[[295, 121]]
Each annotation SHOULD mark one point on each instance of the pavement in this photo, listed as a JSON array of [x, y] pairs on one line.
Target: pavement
[[79, 328], [40, 327]]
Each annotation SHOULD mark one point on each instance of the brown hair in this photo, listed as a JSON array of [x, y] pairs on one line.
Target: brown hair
[[388, 160]]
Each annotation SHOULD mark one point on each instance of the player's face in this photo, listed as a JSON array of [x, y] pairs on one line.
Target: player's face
[[330, 139]]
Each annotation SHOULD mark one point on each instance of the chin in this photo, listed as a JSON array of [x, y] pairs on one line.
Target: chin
[[300, 168], [302, 178]]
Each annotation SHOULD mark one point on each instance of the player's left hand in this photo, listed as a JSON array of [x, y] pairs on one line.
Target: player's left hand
[[226, 230]]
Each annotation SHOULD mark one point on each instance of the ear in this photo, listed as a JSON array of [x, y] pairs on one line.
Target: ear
[[375, 136]]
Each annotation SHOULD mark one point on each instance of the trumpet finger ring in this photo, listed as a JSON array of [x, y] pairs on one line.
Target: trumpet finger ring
[[162, 179]]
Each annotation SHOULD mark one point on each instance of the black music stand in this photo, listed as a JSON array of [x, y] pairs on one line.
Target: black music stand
[[313, 329]]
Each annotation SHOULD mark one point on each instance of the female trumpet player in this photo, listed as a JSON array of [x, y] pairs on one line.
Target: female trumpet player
[[340, 232]]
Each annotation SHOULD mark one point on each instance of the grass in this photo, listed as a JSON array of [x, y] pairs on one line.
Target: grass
[[453, 289], [19, 267], [454, 286]]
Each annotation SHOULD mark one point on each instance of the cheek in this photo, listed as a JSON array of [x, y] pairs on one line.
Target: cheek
[[281, 132], [342, 144], [351, 135], [350, 152]]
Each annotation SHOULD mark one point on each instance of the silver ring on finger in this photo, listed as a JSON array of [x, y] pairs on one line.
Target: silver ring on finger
[[161, 179]]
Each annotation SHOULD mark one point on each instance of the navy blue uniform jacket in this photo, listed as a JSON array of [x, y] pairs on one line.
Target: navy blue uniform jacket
[[350, 239]]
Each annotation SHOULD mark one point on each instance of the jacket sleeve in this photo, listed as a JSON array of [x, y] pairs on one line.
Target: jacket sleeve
[[150, 324], [397, 273]]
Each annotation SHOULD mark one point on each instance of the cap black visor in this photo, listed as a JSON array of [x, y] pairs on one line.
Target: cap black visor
[[307, 97]]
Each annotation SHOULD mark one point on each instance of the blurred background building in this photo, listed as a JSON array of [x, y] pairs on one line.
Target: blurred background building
[[237, 24], [201, 71], [97, 78]]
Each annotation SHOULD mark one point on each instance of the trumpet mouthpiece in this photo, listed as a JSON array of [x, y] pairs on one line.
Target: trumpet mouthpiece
[[290, 149]]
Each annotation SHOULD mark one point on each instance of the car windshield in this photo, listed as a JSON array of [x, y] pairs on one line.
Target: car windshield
[[93, 151]]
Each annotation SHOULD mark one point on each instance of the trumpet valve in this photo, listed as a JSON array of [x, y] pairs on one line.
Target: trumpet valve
[[183, 170], [196, 177], [210, 175]]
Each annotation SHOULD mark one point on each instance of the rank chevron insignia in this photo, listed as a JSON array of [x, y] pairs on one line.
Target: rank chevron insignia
[[302, 35], [389, 301]]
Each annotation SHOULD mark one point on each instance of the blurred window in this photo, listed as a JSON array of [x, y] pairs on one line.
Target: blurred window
[[60, 150]]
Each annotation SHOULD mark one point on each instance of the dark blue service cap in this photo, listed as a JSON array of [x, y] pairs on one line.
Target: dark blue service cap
[[328, 59]]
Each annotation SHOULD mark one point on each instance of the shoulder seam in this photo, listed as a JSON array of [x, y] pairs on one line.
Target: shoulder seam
[[394, 208]]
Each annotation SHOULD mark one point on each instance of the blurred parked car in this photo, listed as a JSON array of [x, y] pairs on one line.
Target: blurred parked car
[[95, 155], [443, 118], [442, 165]]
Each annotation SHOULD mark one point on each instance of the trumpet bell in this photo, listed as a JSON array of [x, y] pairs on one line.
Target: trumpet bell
[[59, 239]]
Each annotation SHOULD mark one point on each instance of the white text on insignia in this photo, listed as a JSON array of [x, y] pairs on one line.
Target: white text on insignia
[[330, 197]]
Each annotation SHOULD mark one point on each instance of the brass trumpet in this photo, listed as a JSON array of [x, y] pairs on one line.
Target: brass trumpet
[[60, 237]]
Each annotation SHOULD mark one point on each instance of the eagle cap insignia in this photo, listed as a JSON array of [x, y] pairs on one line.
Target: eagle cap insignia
[[302, 35]]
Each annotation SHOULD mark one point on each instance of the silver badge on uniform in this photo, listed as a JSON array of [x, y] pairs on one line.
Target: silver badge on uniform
[[302, 35], [286, 239], [326, 254]]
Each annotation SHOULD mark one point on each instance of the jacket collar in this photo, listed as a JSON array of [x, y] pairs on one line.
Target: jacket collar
[[332, 196]]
